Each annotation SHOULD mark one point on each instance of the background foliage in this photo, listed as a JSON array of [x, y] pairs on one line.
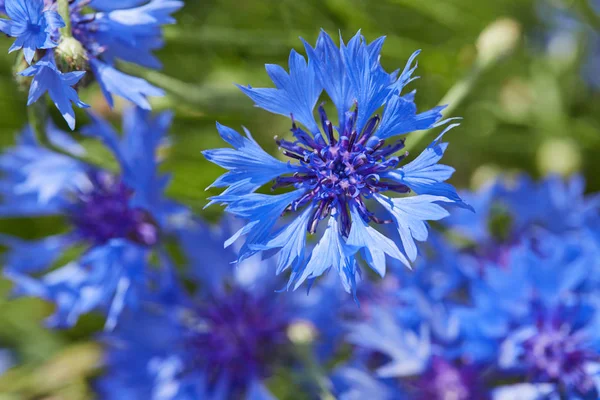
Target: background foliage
[[531, 111]]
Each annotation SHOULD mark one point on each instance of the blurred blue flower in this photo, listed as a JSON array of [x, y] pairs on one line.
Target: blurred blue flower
[[128, 31], [48, 78], [536, 315], [122, 30], [6, 361], [221, 343], [415, 364], [31, 25], [333, 178], [565, 33], [117, 220], [508, 212]]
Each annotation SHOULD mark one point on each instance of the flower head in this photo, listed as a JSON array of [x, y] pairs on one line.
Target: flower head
[[33, 26], [118, 219], [222, 342], [335, 171], [48, 78], [102, 32], [128, 31]]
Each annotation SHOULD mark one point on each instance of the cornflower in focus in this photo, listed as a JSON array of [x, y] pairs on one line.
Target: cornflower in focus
[[340, 175], [116, 220]]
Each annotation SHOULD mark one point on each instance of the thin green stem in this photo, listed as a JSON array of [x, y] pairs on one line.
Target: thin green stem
[[453, 99], [313, 370], [37, 114], [63, 10], [587, 13]]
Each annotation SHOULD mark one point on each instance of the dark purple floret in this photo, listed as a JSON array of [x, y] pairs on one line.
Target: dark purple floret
[[341, 172], [239, 336], [103, 213], [558, 354], [444, 380]]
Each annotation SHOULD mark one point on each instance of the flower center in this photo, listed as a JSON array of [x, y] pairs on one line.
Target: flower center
[[33, 28], [239, 336], [444, 381], [104, 213], [340, 172], [556, 353]]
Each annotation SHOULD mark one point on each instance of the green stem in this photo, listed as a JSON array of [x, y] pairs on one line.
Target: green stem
[[65, 13], [37, 114], [587, 13], [313, 370], [453, 98]]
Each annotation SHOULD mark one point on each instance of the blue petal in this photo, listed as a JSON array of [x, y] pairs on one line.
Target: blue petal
[[424, 175], [249, 165], [400, 117], [129, 87], [261, 210], [291, 240], [329, 66], [34, 179], [409, 214], [384, 334], [296, 94], [47, 78], [370, 83], [33, 256], [108, 276], [373, 244], [330, 252]]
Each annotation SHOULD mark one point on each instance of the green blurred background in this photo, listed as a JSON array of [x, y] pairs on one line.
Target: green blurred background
[[525, 109]]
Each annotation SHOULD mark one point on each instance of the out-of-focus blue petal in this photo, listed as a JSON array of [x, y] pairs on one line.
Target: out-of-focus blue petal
[[106, 277], [118, 83], [35, 180], [33, 256], [408, 351]]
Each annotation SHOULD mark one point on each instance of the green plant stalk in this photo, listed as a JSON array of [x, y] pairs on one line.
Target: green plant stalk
[[37, 114], [63, 10], [453, 99], [584, 9], [312, 370]]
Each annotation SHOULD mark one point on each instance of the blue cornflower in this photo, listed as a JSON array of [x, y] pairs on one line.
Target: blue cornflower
[[122, 30], [418, 366], [116, 219], [33, 26], [333, 175], [564, 33], [536, 315], [510, 212], [220, 343], [119, 30], [48, 78]]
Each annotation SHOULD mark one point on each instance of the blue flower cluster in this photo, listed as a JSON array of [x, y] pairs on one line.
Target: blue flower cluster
[[114, 220], [98, 33], [504, 307], [500, 303]]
